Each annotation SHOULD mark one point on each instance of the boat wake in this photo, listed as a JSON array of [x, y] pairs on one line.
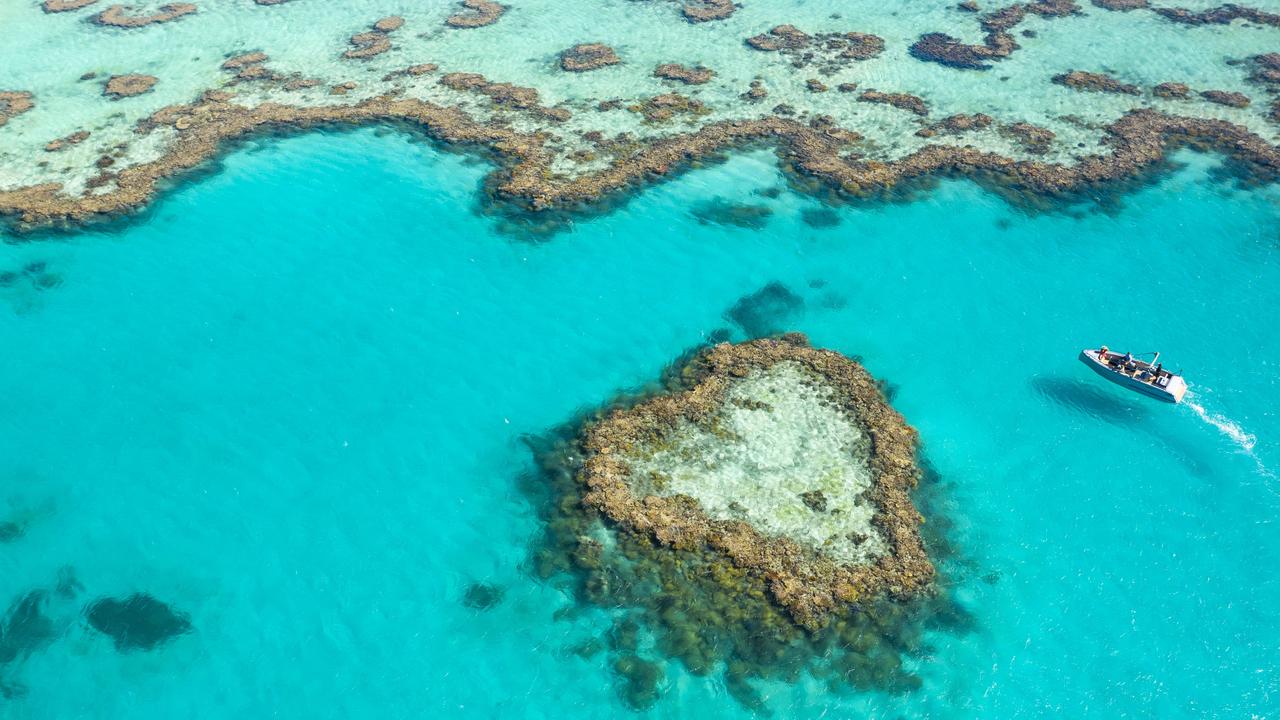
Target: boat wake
[[1232, 430]]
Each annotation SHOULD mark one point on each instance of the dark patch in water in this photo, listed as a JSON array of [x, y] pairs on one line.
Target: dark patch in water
[[46, 281], [138, 622], [833, 301], [639, 680], [766, 311], [820, 217], [770, 192], [482, 596], [8, 278], [10, 531], [25, 628], [723, 212], [33, 268]]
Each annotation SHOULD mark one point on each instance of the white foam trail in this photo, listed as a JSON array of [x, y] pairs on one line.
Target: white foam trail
[[1233, 432]]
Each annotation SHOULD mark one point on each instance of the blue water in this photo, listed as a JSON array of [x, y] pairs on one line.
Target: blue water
[[290, 402]]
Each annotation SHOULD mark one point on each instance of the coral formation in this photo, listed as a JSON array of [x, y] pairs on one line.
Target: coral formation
[[902, 101], [661, 108], [955, 124], [74, 138], [1095, 82], [831, 51], [766, 311], [1225, 97], [123, 86], [688, 75], [13, 103], [482, 596], [476, 13], [696, 11], [57, 6], [1122, 5], [719, 211], [1221, 15], [504, 95], [121, 16], [998, 42], [1171, 90], [1033, 138], [138, 622], [588, 56], [641, 471]]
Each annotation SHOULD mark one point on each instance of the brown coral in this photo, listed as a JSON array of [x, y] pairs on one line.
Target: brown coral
[[588, 56], [1171, 90], [1225, 97], [696, 11], [902, 101], [13, 103], [997, 42], [955, 124], [781, 37], [1095, 82], [476, 13], [74, 138], [121, 16], [682, 73], [123, 86], [57, 6]]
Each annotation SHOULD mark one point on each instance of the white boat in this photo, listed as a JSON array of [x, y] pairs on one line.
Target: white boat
[[1144, 377]]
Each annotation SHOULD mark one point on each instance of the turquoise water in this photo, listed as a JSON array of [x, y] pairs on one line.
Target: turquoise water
[[290, 401]]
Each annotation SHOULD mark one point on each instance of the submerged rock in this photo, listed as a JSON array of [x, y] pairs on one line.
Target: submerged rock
[[588, 56], [1095, 82], [1171, 90], [687, 75], [1225, 97], [123, 16], [696, 11], [123, 86], [13, 103], [138, 622], [477, 13], [723, 212], [482, 596], [765, 311]]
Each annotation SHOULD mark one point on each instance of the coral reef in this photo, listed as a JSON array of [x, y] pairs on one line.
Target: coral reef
[[688, 75], [57, 6], [1095, 82], [831, 51], [696, 11], [693, 603], [374, 41], [1221, 15], [1171, 90], [812, 569], [123, 86], [13, 103], [661, 108], [1225, 97], [476, 13], [121, 16], [955, 124], [1033, 138], [1122, 5], [998, 42], [588, 56], [503, 95], [138, 622], [902, 101], [74, 138]]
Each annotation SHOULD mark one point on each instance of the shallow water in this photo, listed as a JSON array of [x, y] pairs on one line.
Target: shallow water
[[290, 403]]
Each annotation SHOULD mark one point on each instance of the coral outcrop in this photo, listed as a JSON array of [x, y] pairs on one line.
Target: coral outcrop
[[956, 124], [902, 101], [57, 6], [123, 86], [1171, 90], [13, 103], [727, 465], [830, 51], [1226, 97], [682, 73], [588, 56], [696, 11], [998, 41], [476, 13], [374, 41], [1095, 82], [122, 16]]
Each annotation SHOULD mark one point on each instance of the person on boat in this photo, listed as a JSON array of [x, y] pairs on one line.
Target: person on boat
[[1102, 355], [1130, 367]]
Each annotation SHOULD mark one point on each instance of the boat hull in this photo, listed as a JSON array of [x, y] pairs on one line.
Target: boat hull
[[1171, 393]]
